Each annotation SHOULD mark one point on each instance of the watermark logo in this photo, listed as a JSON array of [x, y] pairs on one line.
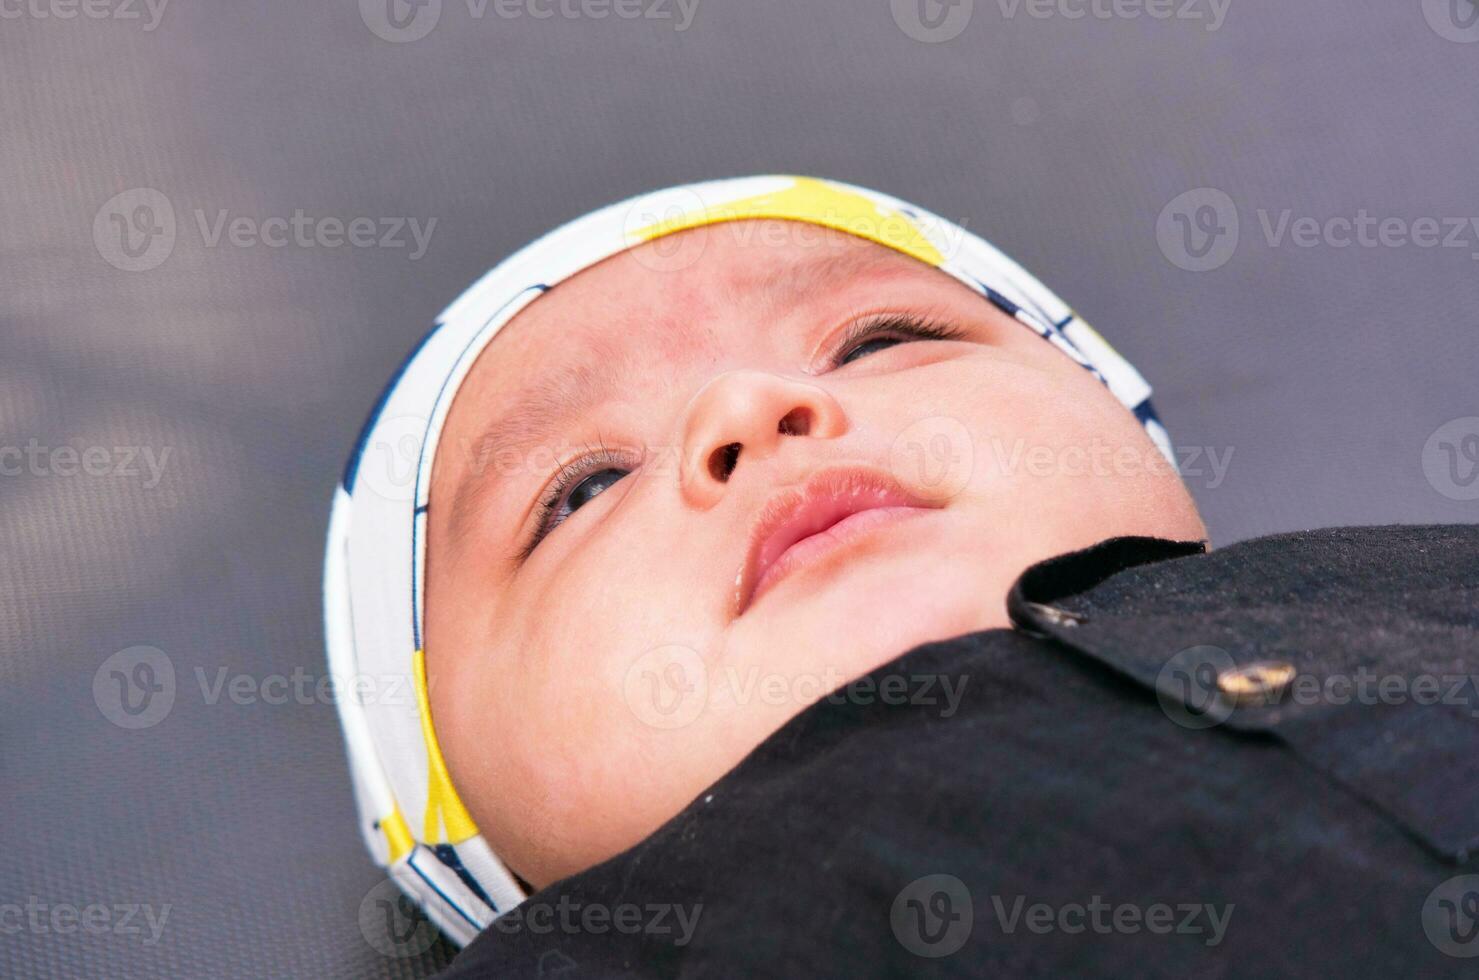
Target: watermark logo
[[1187, 687], [135, 687], [392, 924], [1198, 230], [1453, 20], [933, 916], [672, 252], [399, 21], [391, 459], [932, 21], [135, 231], [667, 687], [1451, 459], [1451, 916], [555, 963], [934, 455]]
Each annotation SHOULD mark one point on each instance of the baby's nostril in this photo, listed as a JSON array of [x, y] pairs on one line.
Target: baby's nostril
[[722, 460], [796, 423]]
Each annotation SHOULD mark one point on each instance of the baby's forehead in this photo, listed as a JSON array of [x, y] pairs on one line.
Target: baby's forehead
[[680, 290]]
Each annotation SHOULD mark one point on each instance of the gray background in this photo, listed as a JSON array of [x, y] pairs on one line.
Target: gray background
[[1325, 370]]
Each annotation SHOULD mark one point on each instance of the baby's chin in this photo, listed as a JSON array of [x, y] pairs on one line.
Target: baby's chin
[[837, 623]]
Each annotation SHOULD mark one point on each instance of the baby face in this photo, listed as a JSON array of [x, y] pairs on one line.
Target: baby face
[[711, 398]]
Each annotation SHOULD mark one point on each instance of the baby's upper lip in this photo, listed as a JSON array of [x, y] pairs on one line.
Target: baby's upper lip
[[826, 497]]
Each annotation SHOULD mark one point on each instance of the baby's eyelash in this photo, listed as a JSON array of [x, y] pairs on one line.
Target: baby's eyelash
[[907, 325], [592, 460]]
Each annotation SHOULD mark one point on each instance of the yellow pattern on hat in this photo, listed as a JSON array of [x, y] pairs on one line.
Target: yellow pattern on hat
[[447, 820], [397, 835], [816, 202]]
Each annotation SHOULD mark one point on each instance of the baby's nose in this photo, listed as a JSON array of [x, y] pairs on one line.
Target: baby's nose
[[743, 415]]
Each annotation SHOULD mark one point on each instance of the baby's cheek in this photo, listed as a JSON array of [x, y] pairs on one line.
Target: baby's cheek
[[583, 664]]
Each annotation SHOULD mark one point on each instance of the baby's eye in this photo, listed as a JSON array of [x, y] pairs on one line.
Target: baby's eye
[[582, 492], [878, 333], [576, 485], [867, 346]]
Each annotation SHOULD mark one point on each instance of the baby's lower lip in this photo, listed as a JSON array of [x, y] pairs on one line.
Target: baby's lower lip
[[813, 548]]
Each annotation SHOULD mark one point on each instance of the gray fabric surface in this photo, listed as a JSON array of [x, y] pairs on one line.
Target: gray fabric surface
[[1324, 370]]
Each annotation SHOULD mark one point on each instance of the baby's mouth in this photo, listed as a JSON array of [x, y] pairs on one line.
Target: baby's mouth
[[798, 527]]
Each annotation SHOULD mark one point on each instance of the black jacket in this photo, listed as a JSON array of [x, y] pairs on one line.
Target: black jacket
[[1258, 761]]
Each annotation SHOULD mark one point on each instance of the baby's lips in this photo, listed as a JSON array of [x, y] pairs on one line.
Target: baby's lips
[[827, 497]]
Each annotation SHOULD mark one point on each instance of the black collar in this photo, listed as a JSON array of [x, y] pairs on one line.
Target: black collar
[[1032, 600]]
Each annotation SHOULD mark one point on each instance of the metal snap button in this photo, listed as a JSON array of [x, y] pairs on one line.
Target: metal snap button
[[1056, 616], [1262, 681]]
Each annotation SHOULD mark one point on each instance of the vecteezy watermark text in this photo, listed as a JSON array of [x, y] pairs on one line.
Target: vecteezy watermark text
[[933, 916], [35, 459], [1363, 230], [1201, 686], [569, 917], [937, 21], [1211, 12], [42, 918], [301, 687], [1125, 918], [148, 11], [677, 251], [669, 686], [1102, 459], [401, 21], [392, 924], [303, 231]]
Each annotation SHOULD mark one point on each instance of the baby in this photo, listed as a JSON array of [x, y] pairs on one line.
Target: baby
[[736, 444]]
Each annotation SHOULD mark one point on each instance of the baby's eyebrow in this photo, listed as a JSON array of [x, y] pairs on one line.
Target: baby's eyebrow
[[541, 411], [796, 281]]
